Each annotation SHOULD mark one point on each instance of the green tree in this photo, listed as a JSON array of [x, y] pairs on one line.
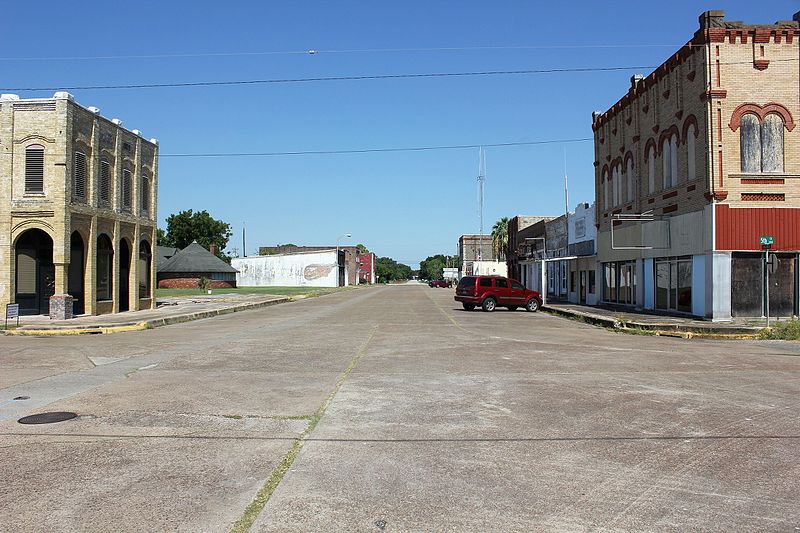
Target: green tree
[[388, 269], [187, 226], [500, 238], [161, 237], [361, 248], [433, 266]]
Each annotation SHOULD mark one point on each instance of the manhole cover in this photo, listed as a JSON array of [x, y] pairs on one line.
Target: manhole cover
[[47, 418]]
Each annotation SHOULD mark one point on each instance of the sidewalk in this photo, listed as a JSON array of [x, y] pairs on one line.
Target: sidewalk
[[173, 310], [686, 327]]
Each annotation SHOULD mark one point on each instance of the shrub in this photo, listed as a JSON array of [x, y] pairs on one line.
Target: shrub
[[787, 331], [203, 283]]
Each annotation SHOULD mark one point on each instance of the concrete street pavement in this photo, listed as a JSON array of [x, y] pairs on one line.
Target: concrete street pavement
[[413, 415]]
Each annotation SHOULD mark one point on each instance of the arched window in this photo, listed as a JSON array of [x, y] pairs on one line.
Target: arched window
[[629, 179], [34, 169], [145, 262], [615, 185], [651, 170], [79, 176], [666, 160], [690, 153], [105, 254], [605, 185], [772, 144], [673, 161], [105, 181], [669, 162]]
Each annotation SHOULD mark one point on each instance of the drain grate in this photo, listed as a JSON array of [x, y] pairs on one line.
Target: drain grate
[[47, 418]]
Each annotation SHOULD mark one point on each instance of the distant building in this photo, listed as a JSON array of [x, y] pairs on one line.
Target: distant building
[[348, 259], [582, 245], [184, 269], [367, 262], [705, 152], [315, 268], [517, 243], [77, 209], [473, 248]]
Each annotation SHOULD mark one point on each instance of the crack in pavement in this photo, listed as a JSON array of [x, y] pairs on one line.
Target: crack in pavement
[[245, 522]]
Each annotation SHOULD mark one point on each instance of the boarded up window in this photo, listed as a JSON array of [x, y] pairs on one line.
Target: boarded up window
[[79, 176], [144, 269], [126, 189], [26, 271], [105, 181], [34, 168], [750, 140], [772, 144]]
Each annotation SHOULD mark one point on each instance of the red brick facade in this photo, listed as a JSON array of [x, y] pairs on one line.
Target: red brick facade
[[191, 283]]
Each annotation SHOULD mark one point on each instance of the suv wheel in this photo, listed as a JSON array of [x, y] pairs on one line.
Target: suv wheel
[[532, 305], [468, 307], [489, 304]]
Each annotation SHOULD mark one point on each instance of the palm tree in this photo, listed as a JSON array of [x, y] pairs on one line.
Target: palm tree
[[500, 238]]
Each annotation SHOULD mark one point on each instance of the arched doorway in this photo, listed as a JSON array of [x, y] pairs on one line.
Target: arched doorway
[[124, 275], [77, 266], [35, 274]]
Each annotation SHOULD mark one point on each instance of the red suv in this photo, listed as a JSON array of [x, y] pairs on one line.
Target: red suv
[[492, 291]]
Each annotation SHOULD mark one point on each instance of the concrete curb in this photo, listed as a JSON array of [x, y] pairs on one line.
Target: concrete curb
[[148, 324], [675, 330]]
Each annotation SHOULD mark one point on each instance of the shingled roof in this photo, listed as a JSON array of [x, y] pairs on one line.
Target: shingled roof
[[196, 259]]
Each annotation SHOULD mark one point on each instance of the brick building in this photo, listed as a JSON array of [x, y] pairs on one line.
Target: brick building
[[517, 243], [473, 251], [77, 209], [693, 164]]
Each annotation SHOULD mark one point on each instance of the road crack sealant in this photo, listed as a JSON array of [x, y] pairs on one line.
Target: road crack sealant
[[245, 522]]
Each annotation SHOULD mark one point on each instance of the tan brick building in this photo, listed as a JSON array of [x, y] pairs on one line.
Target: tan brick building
[[77, 209], [706, 148]]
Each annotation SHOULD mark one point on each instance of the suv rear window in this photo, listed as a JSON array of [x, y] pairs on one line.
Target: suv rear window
[[486, 282], [467, 281]]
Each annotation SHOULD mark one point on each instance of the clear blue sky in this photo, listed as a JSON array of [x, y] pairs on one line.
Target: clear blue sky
[[404, 205]]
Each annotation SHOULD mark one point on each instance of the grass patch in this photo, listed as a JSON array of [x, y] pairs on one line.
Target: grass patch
[[278, 291], [786, 331]]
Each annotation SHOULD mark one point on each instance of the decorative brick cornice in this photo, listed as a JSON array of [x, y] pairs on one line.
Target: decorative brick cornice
[[713, 94], [760, 64], [719, 196]]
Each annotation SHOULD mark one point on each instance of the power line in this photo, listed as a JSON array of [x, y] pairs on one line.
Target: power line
[[378, 150], [313, 51], [352, 78], [325, 78]]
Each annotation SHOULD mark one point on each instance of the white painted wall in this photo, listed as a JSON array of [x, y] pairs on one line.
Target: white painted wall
[[489, 268], [315, 269]]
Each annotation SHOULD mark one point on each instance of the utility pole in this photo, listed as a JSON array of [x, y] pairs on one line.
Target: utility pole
[[244, 241], [481, 180]]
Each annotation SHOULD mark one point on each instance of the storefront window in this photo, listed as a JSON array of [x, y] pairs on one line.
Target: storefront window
[[620, 282], [674, 284]]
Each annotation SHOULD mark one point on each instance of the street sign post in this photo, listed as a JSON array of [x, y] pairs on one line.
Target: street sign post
[[12, 311], [766, 242]]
